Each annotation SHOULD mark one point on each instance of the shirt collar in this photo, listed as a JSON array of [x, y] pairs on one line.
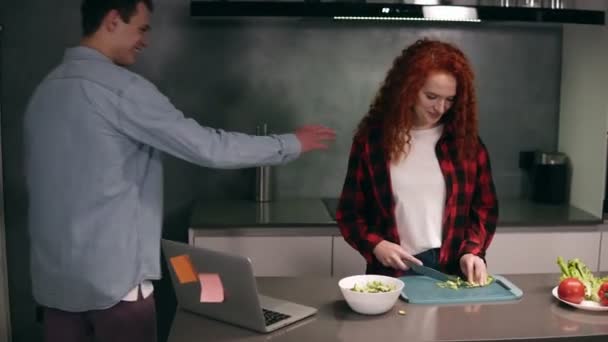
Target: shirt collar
[[83, 52]]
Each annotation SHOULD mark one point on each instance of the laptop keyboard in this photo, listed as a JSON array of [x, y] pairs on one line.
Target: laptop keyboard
[[272, 317]]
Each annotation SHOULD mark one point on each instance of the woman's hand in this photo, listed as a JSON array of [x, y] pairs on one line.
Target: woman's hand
[[474, 268], [392, 255]]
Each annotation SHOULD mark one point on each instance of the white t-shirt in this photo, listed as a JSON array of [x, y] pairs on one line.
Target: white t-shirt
[[146, 289], [419, 192]]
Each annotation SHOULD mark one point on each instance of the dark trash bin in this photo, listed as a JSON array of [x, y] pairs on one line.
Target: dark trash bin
[[550, 178]]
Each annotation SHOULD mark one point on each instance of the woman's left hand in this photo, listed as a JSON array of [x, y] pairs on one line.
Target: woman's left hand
[[474, 268]]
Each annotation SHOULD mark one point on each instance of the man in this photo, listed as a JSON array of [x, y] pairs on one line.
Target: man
[[94, 132]]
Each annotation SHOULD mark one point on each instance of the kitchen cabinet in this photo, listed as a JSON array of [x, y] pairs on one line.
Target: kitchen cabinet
[[509, 253], [582, 133], [276, 255], [518, 250], [346, 260], [537, 252], [604, 253]]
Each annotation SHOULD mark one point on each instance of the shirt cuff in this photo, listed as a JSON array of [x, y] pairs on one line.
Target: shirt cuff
[[291, 146], [372, 239], [469, 247]]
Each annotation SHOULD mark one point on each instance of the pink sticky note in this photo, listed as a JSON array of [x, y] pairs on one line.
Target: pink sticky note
[[212, 290]]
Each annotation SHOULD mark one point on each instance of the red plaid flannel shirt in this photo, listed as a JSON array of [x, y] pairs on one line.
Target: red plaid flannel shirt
[[366, 211]]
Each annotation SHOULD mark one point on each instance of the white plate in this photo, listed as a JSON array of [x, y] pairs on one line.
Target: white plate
[[584, 305]]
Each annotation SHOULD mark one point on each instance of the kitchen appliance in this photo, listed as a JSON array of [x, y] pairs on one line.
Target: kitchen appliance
[[536, 11], [424, 290], [549, 176]]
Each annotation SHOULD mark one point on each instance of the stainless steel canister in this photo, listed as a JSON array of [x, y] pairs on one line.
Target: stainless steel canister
[[263, 175]]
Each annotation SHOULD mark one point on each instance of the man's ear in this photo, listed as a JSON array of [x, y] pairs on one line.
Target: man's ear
[[111, 20]]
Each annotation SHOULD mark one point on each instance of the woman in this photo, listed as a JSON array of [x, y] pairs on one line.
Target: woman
[[419, 187]]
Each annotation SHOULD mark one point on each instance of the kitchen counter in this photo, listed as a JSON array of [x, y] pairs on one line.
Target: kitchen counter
[[317, 217], [299, 237], [517, 212], [242, 213], [535, 317]]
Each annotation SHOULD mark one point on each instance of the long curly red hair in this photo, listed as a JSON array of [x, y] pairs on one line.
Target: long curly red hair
[[392, 107]]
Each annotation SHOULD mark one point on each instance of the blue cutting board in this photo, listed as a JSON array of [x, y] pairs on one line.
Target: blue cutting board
[[424, 290]]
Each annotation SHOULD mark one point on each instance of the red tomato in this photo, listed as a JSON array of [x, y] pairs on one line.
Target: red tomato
[[603, 293], [571, 290]]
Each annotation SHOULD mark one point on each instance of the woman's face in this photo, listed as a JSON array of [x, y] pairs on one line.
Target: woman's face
[[434, 99]]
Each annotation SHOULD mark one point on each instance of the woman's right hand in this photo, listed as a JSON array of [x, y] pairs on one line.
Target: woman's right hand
[[392, 255]]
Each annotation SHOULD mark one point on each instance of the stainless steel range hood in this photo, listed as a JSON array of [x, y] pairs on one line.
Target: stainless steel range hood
[[532, 11]]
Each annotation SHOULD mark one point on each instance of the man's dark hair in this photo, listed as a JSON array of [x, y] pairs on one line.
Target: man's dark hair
[[93, 12]]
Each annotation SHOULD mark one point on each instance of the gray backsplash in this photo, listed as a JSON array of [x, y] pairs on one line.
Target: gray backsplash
[[287, 72], [236, 74]]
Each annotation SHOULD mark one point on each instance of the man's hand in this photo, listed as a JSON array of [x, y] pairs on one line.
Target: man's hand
[[392, 255], [314, 137], [474, 268]]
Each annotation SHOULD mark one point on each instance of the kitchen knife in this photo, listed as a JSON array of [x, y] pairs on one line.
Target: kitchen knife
[[430, 272]]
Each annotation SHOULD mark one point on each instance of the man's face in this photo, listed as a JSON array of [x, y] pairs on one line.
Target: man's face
[[131, 38]]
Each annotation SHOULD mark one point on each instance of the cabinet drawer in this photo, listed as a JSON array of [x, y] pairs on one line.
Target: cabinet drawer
[[537, 252], [277, 256], [604, 253], [347, 261]]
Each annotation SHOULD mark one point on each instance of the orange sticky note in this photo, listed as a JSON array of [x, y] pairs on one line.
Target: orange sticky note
[[212, 289], [182, 265]]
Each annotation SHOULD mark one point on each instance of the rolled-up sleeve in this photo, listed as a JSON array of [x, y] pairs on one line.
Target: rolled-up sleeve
[[146, 115], [484, 209], [352, 207]]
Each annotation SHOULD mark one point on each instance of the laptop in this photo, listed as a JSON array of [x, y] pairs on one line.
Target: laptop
[[222, 286]]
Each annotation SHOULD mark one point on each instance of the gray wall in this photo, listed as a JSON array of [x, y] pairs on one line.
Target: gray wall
[[237, 74]]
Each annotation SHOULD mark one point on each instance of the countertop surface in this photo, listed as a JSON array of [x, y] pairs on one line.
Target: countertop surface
[[515, 212], [536, 316], [319, 213], [242, 213]]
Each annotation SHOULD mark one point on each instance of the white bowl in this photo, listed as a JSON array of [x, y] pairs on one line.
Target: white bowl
[[370, 303]]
